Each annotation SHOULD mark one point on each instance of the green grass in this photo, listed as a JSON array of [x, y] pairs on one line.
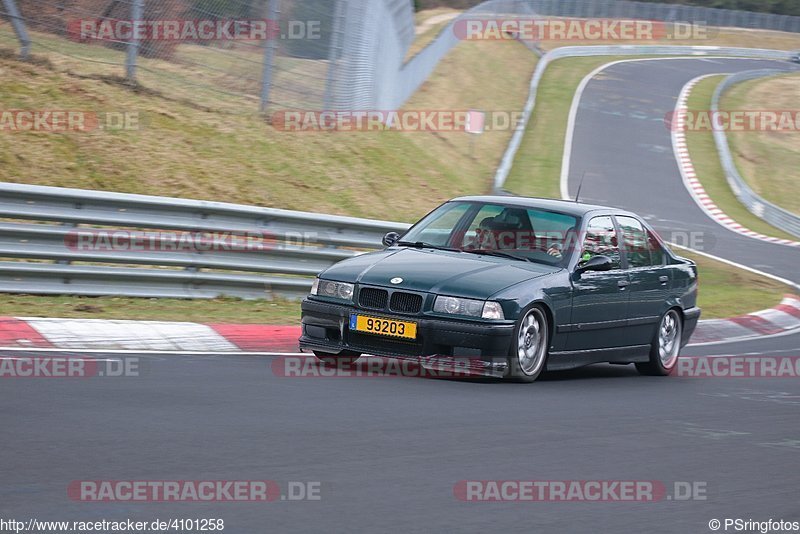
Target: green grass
[[202, 153], [727, 291], [705, 158], [768, 161], [221, 310]]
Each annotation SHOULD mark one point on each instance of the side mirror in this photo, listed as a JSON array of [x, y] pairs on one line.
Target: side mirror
[[390, 239], [596, 263]]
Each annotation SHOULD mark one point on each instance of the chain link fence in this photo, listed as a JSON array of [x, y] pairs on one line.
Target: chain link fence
[[229, 54], [283, 54]]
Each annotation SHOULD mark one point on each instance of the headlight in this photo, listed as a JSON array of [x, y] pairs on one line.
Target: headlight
[[336, 290], [458, 306]]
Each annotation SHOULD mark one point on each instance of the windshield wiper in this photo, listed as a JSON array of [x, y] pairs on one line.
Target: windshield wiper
[[422, 244], [499, 253]]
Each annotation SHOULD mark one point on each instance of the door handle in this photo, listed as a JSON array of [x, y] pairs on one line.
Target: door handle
[[663, 280], [622, 284]]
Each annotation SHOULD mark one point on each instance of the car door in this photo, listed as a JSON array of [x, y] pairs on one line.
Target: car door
[[599, 298], [649, 277]]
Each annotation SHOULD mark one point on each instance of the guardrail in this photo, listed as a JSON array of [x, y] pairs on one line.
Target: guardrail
[[624, 50], [146, 246], [759, 207]]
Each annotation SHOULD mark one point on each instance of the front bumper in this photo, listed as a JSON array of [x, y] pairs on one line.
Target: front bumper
[[441, 344]]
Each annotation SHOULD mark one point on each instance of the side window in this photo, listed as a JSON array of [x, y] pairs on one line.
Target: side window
[[601, 239], [641, 246], [636, 240], [657, 255]]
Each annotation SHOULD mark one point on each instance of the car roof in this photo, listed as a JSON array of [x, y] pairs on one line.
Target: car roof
[[569, 207]]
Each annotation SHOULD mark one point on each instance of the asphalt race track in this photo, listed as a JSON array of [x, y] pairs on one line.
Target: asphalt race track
[[388, 451]]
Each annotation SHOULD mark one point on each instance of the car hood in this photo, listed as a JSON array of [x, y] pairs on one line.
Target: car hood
[[435, 271]]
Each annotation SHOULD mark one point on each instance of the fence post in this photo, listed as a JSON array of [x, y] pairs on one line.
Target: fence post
[[269, 52], [334, 51], [19, 27], [137, 13]]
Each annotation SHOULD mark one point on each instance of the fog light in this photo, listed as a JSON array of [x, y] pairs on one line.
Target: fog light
[[315, 286], [492, 310]]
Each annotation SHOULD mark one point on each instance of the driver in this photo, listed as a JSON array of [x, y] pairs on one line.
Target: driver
[[556, 250], [597, 244], [484, 236]]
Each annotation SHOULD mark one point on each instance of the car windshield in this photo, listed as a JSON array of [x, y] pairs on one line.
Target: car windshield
[[515, 232]]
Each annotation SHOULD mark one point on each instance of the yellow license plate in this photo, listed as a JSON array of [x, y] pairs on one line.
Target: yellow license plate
[[383, 327]]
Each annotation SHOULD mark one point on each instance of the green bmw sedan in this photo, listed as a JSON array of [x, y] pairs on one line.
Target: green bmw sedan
[[509, 287]]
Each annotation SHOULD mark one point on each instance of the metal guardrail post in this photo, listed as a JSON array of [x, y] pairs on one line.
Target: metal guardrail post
[[137, 13], [269, 54], [19, 27], [334, 52]]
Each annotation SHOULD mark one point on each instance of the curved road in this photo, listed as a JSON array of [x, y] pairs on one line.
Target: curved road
[[388, 451], [623, 147]]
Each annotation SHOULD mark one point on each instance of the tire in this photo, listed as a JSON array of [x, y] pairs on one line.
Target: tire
[[527, 354], [666, 346], [343, 359]]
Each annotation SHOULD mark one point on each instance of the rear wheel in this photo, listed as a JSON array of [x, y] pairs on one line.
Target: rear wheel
[[528, 352], [666, 346], [343, 359]]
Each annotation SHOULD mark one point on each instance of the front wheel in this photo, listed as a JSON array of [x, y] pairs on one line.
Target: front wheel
[[343, 359], [528, 352], [666, 346]]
